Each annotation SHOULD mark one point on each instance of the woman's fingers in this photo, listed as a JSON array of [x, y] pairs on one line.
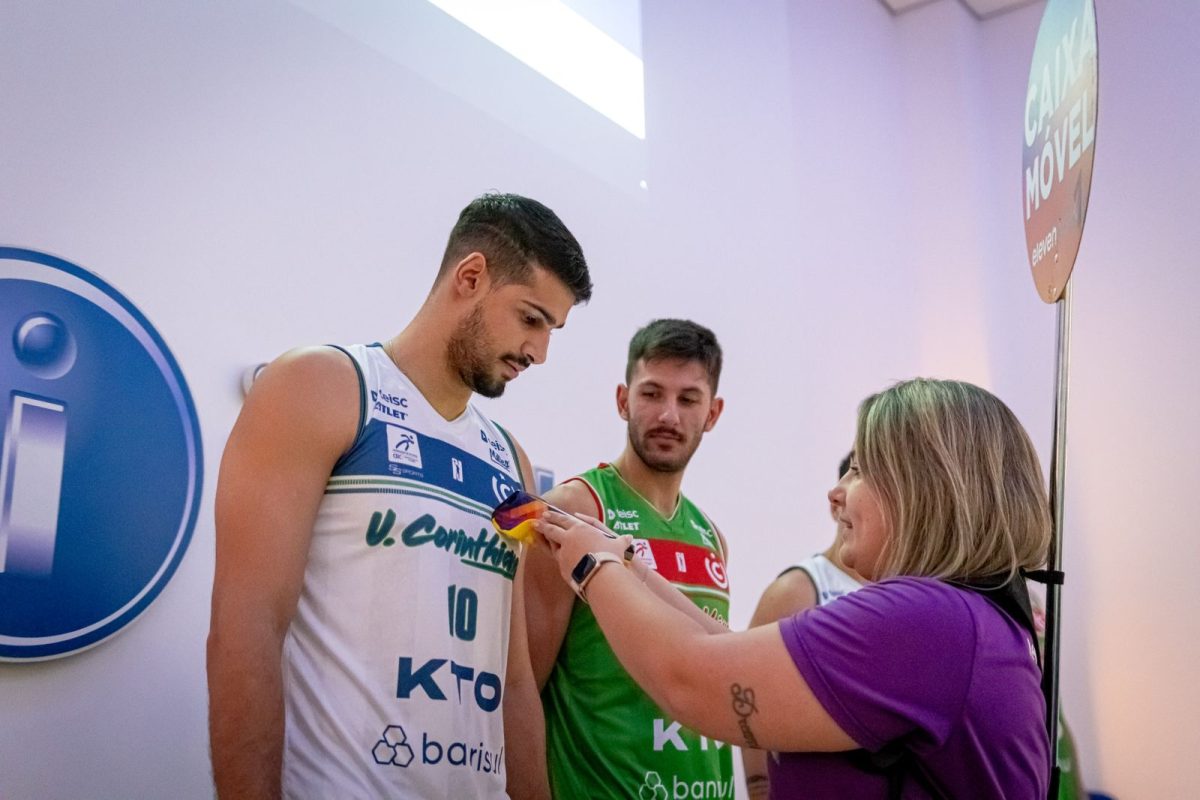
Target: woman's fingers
[[590, 520], [553, 532]]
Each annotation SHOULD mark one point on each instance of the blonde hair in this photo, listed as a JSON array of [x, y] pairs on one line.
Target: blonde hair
[[958, 479]]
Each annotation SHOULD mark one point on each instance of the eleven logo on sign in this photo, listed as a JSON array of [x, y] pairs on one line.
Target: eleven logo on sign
[[403, 447]]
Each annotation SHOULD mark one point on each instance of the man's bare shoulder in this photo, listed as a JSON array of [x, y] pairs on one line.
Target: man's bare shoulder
[[789, 594], [574, 497], [318, 365], [314, 390]]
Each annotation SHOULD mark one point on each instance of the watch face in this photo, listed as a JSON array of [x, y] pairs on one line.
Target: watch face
[[585, 565]]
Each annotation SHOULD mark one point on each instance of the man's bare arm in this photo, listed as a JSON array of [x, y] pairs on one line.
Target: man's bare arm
[[524, 722], [301, 414], [548, 601]]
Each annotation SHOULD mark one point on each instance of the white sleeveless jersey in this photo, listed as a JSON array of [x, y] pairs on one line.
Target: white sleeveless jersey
[[394, 662], [830, 582]]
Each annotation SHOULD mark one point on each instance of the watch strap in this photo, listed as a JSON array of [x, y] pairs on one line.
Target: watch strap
[[597, 561]]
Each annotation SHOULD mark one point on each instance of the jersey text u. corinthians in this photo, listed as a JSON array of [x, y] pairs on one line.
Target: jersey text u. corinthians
[[394, 662], [605, 737]]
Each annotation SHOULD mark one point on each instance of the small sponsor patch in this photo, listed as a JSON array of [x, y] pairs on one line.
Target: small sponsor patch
[[403, 446]]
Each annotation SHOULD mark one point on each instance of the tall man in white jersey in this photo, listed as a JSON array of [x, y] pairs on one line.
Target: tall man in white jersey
[[363, 609], [605, 737]]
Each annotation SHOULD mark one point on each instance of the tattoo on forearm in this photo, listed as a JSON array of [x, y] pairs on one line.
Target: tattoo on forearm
[[757, 786], [744, 708]]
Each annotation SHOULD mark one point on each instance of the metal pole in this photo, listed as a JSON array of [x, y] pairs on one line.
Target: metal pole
[[1058, 468]]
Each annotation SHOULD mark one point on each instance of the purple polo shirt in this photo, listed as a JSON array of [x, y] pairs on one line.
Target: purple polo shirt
[[938, 668]]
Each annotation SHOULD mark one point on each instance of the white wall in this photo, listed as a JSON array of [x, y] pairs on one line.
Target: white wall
[[834, 190]]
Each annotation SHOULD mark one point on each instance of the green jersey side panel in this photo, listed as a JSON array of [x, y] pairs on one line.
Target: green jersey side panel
[[605, 737]]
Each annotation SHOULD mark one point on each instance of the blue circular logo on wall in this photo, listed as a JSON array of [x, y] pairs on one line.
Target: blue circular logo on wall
[[100, 460]]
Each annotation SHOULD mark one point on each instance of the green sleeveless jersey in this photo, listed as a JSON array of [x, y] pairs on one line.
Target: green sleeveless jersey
[[605, 738]]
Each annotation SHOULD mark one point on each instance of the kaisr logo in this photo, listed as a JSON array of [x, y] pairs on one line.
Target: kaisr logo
[[100, 459]]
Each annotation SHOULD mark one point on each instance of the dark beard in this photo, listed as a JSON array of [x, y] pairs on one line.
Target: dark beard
[[466, 356], [659, 463]]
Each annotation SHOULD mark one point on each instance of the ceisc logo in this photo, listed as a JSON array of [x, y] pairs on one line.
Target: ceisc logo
[[704, 532], [388, 406], [100, 459], [620, 520]]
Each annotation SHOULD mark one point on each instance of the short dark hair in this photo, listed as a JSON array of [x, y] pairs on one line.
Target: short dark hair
[[680, 339], [844, 467], [516, 234]]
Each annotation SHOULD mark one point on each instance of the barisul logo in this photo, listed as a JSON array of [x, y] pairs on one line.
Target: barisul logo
[[652, 788], [395, 749], [487, 550]]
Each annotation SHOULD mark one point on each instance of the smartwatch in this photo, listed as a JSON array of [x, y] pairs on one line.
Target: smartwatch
[[587, 567]]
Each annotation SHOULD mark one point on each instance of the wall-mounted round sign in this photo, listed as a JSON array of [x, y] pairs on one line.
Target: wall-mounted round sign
[[1060, 139], [100, 459]]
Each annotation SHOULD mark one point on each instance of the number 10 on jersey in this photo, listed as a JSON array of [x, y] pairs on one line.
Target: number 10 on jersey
[[462, 607]]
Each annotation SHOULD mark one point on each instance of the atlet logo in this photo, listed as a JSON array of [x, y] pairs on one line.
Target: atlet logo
[[487, 551], [621, 519], [395, 749], [389, 405], [100, 459]]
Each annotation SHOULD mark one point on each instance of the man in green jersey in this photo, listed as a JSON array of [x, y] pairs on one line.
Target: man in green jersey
[[604, 736]]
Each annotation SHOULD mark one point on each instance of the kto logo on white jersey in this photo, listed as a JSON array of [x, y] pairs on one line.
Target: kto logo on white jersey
[[403, 447]]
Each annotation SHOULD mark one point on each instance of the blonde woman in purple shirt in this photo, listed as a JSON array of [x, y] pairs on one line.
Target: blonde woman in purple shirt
[[912, 687]]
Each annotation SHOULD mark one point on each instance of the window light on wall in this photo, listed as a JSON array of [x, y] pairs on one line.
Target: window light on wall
[[564, 47]]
